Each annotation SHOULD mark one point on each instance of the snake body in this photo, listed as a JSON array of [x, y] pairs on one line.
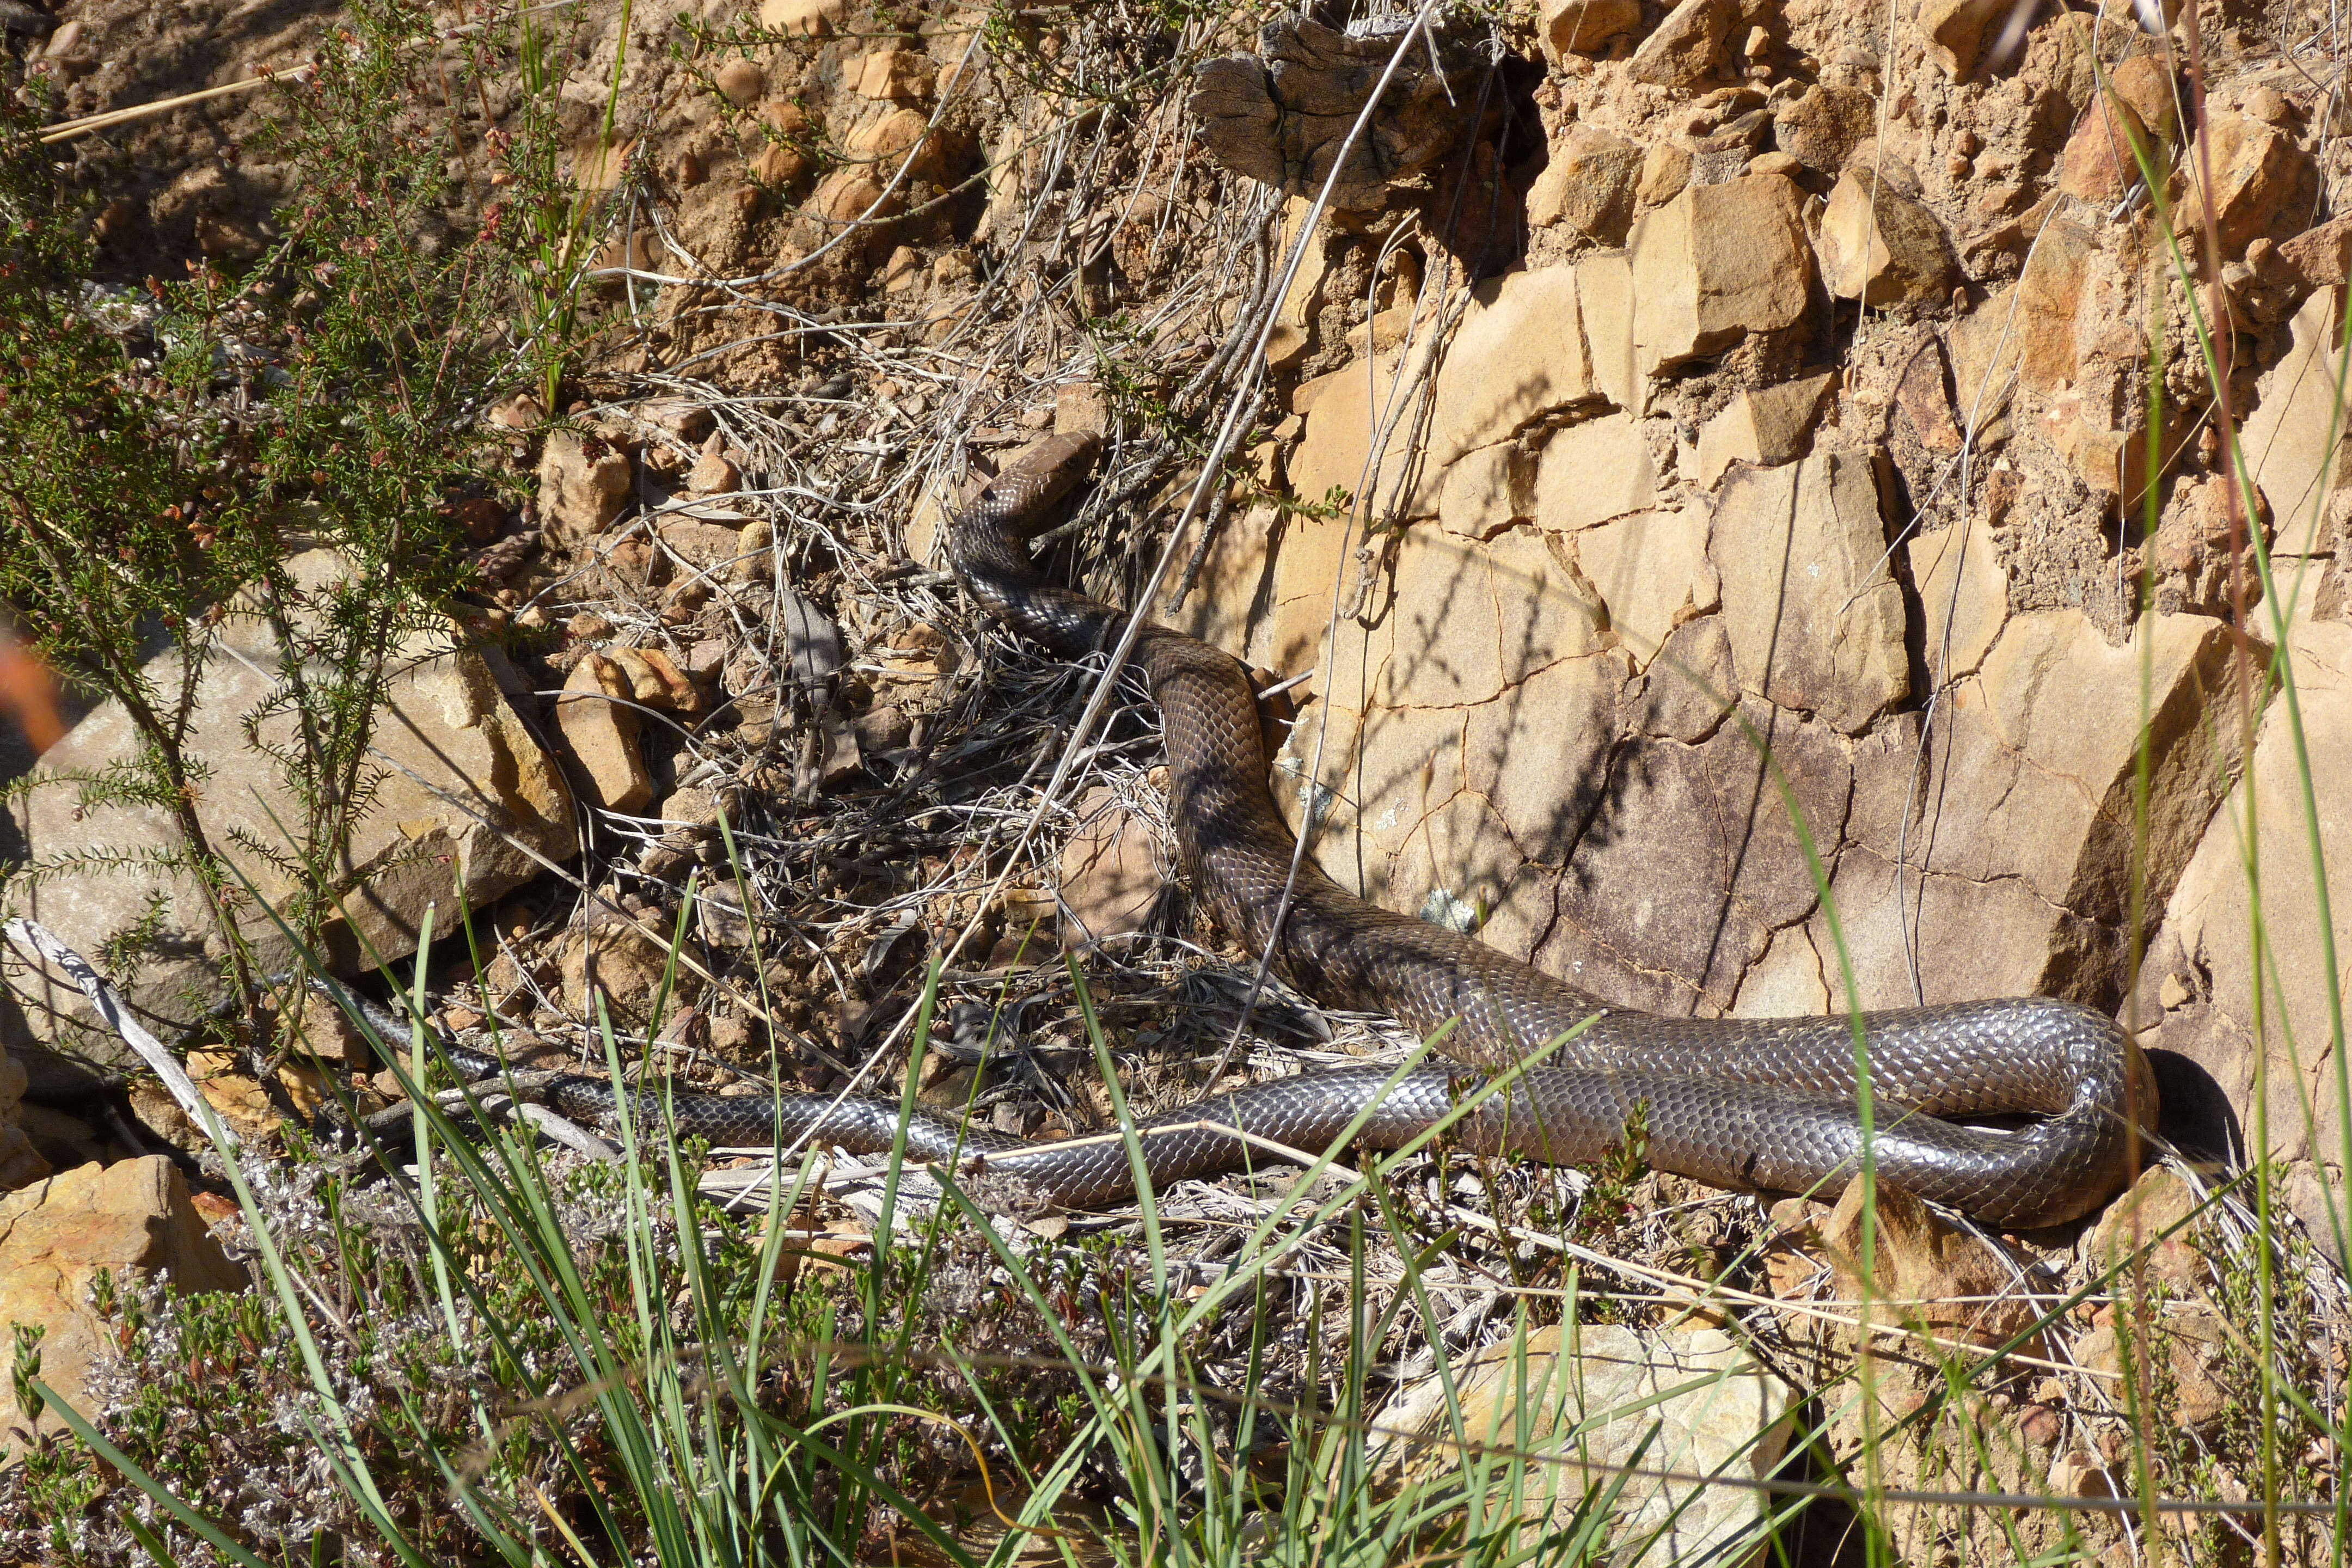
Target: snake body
[[1756, 1103]]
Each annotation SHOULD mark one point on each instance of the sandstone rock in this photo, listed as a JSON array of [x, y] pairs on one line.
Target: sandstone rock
[[714, 473], [1110, 881], [1487, 491], [1681, 52], [132, 1219], [1764, 425], [1963, 595], [2144, 82], [1925, 1274], [739, 81], [1665, 171], [811, 18], [1517, 356], [1880, 247], [1349, 409], [1715, 264], [886, 141], [617, 963], [2028, 884], [1686, 1402], [1956, 31], [427, 839], [895, 74], [1690, 861], [1821, 127], [1587, 185], [1280, 116], [1815, 618], [2318, 257], [655, 681], [1924, 395], [2210, 911], [2153, 1228], [699, 545], [1687, 690], [1651, 572], [2294, 439], [1604, 297], [600, 729], [2023, 334], [2190, 1345], [1580, 27], [1564, 714], [583, 482], [2259, 175], [2102, 158], [849, 194], [1591, 472]]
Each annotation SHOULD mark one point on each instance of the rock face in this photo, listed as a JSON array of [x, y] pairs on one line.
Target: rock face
[[1280, 116], [1815, 618], [2204, 946], [431, 837], [1690, 1402], [1880, 247], [1715, 264], [134, 1219]]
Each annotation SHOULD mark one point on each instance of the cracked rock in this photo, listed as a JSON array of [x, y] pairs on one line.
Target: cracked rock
[[1280, 116]]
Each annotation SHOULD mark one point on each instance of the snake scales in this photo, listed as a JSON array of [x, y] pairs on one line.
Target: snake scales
[[1764, 1104]]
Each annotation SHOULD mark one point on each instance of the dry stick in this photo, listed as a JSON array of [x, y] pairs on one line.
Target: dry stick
[[67, 129], [117, 1016]]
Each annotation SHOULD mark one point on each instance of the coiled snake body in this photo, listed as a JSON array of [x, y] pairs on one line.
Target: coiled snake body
[[1767, 1104]]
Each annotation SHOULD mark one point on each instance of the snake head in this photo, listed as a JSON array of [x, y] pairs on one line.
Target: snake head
[[1024, 494]]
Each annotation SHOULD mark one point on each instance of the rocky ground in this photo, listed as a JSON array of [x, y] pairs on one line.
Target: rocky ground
[[1661, 381]]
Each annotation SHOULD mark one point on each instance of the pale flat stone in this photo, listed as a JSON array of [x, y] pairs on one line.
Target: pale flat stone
[[1956, 31], [1488, 490], [583, 482], [2211, 911], [1686, 1402], [1880, 247], [1229, 605], [134, 1219], [1587, 185], [1543, 613], [1763, 425], [1963, 595], [2286, 439], [1692, 862], [1538, 754], [1786, 982], [1715, 264], [1591, 472], [1815, 618], [1651, 572], [1110, 880], [1517, 356], [2259, 174], [600, 726], [1604, 293], [1680, 52], [1579, 27], [814, 18], [2016, 840], [1449, 643], [433, 837], [1348, 410]]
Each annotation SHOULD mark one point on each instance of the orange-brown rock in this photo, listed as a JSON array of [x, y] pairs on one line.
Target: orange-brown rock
[[131, 1219]]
